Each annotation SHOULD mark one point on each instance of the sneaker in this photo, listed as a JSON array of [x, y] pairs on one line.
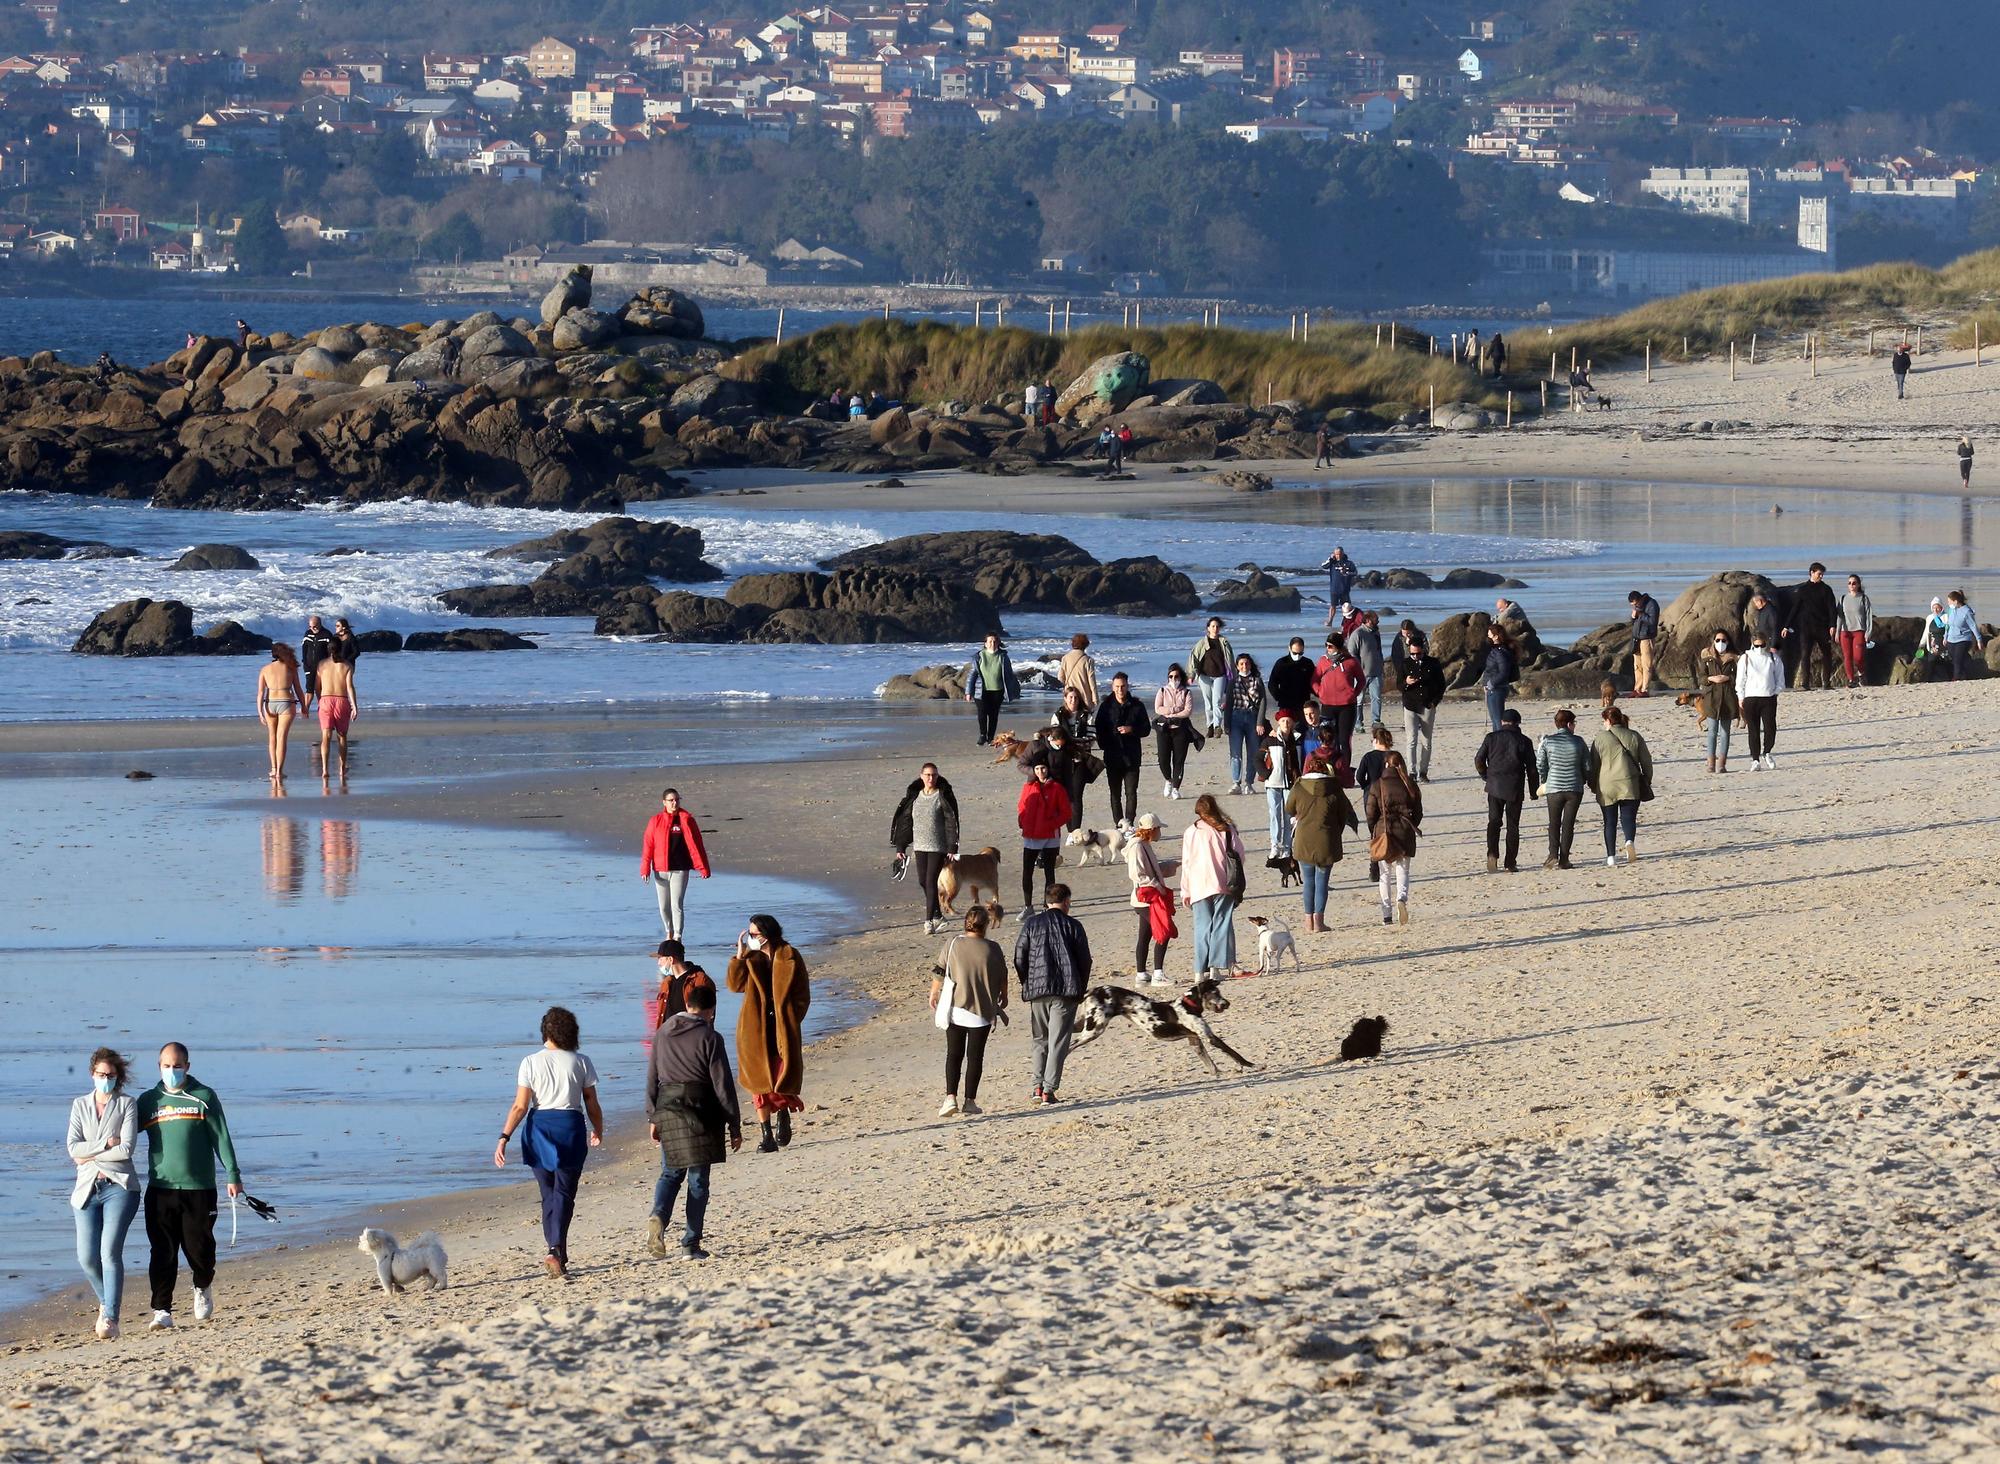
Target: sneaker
[[693, 1251], [656, 1237], [1039, 1095], [1610, 861], [971, 1109], [107, 1327], [1550, 862], [1049, 1096], [1402, 912], [1159, 978], [1492, 864], [1166, 789], [204, 1303], [948, 1108], [161, 1322], [1631, 853], [554, 1267], [1387, 918], [1770, 764]]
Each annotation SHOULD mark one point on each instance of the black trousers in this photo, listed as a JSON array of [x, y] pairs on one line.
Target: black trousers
[[1170, 742], [1124, 786], [989, 714], [179, 1222], [1760, 715], [1029, 859], [926, 866], [1075, 785], [1815, 641], [1344, 719], [1159, 947], [1508, 809], [1562, 824], [966, 1047]]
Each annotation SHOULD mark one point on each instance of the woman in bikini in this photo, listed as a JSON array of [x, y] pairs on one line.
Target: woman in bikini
[[280, 698]]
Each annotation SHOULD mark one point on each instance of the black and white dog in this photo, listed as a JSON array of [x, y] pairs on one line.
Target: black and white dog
[[1184, 1020]]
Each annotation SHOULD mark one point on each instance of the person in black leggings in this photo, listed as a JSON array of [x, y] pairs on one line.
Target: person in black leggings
[[1148, 871], [1122, 727], [1043, 813], [990, 684], [925, 831]]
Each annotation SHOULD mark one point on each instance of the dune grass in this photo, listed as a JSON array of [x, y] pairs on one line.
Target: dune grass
[[923, 362]]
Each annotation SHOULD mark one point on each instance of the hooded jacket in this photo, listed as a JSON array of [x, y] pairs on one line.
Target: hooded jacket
[[689, 1093], [187, 1137], [1624, 765], [1337, 682], [1043, 809], [1718, 698], [1759, 673], [901, 833]]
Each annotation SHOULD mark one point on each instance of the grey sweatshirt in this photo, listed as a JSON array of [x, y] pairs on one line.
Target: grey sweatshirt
[[1856, 613]]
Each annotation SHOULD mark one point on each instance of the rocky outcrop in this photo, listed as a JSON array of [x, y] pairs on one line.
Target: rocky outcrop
[[1256, 594], [591, 569], [571, 291], [660, 311], [27, 544], [216, 556], [926, 683], [1719, 602], [1036, 572], [163, 628], [1243, 480], [1109, 384], [858, 606], [483, 638]]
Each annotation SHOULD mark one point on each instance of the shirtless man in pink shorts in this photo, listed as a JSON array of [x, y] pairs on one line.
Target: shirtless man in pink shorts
[[337, 706]]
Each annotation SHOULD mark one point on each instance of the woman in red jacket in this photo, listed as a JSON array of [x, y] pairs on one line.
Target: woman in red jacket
[[1337, 683], [1043, 814], [672, 851]]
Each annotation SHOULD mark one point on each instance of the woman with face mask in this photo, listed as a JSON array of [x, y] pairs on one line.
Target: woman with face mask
[[1715, 681], [1760, 676], [770, 1045], [103, 1128]]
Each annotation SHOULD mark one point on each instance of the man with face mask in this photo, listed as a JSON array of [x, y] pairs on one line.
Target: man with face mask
[[677, 979], [1291, 679], [187, 1141]]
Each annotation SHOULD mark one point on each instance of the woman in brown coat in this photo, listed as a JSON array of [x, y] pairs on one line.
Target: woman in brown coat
[[1395, 811], [770, 1050]]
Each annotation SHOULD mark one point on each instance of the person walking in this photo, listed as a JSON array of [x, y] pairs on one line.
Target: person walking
[[1965, 462], [314, 646], [694, 1118], [555, 1091], [1122, 729], [103, 1133], [968, 995], [1052, 964], [1562, 766], [1507, 761], [1645, 631], [1760, 676], [1323, 447], [1622, 779], [1173, 729], [1366, 644], [1291, 680], [989, 685], [187, 1141], [1715, 684], [770, 1043], [924, 833], [1857, 632], [1208, 663], [1246, 709], [1961, 634], [339, 704], [1341, 576], [1498, 674], [1423, 689], [671, 851], [1367, 771], [1813, 627], [1042, 812], [1078, 671], [1283, 760], [1337, 683], [677, 980], [1899, 364], [1153, 898], [1114, 451], [1762, 619], [1321, 813], [1213, 881], [1395, 819], [280, 699]]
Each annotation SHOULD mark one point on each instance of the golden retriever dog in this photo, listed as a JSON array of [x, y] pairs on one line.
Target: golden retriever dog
[[970, 872]]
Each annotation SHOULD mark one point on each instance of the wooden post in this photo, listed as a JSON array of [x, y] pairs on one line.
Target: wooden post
[[1545, 399], [1510, 409], [1920, 340], [885, 312], [1309, 325], [1753, 352], [1434, 406], [1392, 335], [1295, 325], [1975, 341], [1572, 366], [1434, 345], [1052, 317], [1378, 346], [1454, 356], [1732, 360], [1138, 314], [1812, 354], [1871, 342], [1552, 377], [781, 325], [975, 326], [1684, 356], [1649, 372], [1065, 332]]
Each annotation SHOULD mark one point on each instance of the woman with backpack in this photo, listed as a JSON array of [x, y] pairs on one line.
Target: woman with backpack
[[1321, 812], [1497, 676], [1395, 817], [1622, 780], [1213, 879]]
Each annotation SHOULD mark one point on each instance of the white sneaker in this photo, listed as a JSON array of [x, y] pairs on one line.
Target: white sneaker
[[204, 1303], [161, 1322], [1166, 790], [107, 1327], [948, 1108], [1158, 978], [1770, 764]]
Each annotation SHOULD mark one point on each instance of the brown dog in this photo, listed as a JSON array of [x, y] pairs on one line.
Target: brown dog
[[1008, 748], [1692, 699], [970, 872]]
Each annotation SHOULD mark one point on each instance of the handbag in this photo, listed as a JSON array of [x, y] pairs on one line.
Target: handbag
[[1093, 766], [1378, 844], [948, 994]]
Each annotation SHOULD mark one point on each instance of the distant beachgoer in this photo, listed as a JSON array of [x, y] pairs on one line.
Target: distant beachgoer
[[555, 1091], [989, 685], [1173, 729], [242, 334], [1337, 685], [1291, 679], [338, 703], [1341, 576], [677, 979], [1502, 667], [315, 646], [1496, 355], [1077, 671], [1208, 662], [1423, 689], [1246, 710], [1857, 631], [1814, 627], [1506, 760], [1052, 963], [1105, 437], [1563, 765], [1645, 630], [1472, 347], [1283, 761], [1320, 813], [1965, 461], [856, 412], [103, 1133], [975, 969], [924, 830], [1395, 817], [1899, 363], [695, 1118], [345, 646], [1621, 778], [670, 852], [1366, 643], [1760, 676], [106, 367], [1213, 864], [187, 1141], [1153, 898], [1323, 447], [1931, 653], [1042, 812], [770, 1043], [280, 699], [1031, 401], [1122, 728], [1114, 451], [1715, 682], [1961, 634], [1762, 619], [1048, 404]]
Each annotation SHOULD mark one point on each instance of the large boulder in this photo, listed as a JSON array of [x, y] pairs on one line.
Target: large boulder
[[927, 683], [679, 615], [27, 544], [482, 638], [145, 627], [1107, 385], [1720, 602], [1257, 593], [340, 340], [1459, 644], [1035, 571], [581, 330], [495, 340], [216, 556], [617, 551], [571, 291], [865, 606], [659, 310], [708, 394], [1396, 579]]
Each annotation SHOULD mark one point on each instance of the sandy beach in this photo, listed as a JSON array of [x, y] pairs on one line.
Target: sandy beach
[[1685, 1159]]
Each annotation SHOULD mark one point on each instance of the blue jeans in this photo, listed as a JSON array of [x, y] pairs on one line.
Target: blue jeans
[[1214, 934], [668, 1188], [1242, 745], [1626, 813], [1718, 737], [1316, 878], [1281, 821], [1373, 691], [1215, 699], [100, 1241], [1496, 703]]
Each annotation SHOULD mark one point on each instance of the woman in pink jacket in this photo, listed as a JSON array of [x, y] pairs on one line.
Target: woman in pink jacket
[[1213, 865], [671, 852]]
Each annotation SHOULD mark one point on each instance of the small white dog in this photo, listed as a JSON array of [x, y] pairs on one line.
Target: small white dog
[[1108, 845], [396, 1266], [1274, 943]]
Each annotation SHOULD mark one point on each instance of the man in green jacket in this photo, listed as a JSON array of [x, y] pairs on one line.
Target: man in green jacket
[[187, 1140]]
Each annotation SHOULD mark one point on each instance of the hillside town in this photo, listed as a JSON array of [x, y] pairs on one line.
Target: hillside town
[[1588, 170]]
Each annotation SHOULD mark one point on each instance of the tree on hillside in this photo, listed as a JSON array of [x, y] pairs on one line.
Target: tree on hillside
[[261, 247], [455, 240]]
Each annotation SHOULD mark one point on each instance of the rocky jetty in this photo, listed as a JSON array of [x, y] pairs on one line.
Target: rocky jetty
[[163, 628], [27, 544], [1035, 572], [589, 569], [856, 606], [481, 638]]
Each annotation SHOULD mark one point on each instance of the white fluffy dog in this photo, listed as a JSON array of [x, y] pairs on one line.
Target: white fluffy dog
[[1108, 845], [1274, 943], [396, 1266]]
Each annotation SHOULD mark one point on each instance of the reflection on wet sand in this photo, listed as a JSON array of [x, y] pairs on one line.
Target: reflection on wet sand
[[339, 856], [284, 859]]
